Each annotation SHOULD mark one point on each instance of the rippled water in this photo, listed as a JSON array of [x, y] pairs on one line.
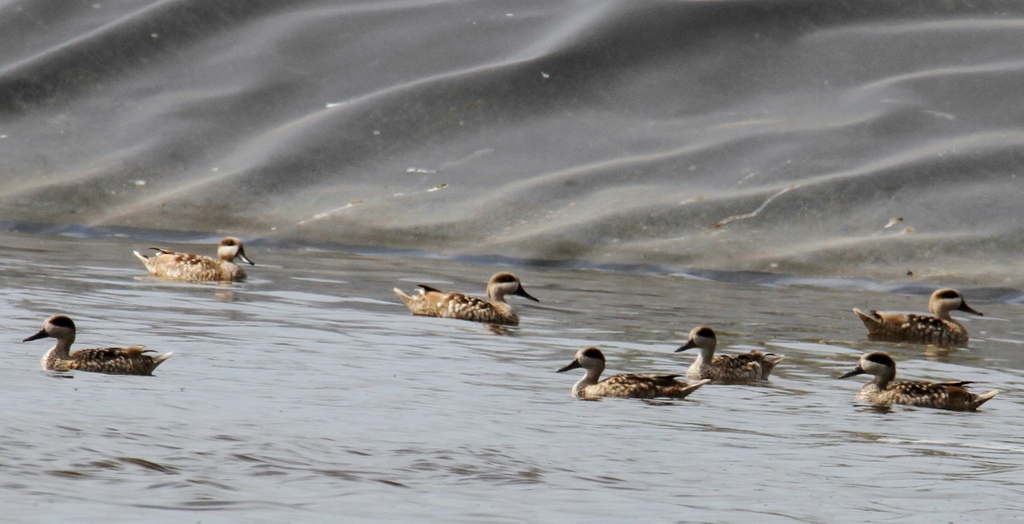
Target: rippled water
[[310, 393], [760, 167], [744, 135]]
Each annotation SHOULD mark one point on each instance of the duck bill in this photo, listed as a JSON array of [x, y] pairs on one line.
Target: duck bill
[[689, 345], [969, 309], [37, 336], [856, 371], [522, 292], [572, 365], [241, 255]]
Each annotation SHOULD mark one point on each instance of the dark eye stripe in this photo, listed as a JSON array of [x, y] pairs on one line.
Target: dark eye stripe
[[62, 321], [949, 294], [706, 332], [881, 358], [593, 353]]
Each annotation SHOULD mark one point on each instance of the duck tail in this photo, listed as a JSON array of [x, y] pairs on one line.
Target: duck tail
[[691, 387], [870, 321], [983, 398], [770, 361], [159, 359], [401, 294]]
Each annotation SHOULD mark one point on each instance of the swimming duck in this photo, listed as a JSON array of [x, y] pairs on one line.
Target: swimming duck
[[625, 385], [113, 361], [747, 367], [186, 266], [883, 390], [431, 302], [937, 328]]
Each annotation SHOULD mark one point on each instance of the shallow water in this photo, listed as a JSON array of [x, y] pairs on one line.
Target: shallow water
[[761, 167], [309, 392], [741, 135]]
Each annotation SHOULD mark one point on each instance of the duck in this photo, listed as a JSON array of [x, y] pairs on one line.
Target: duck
[[432, 302], [113, 361], [747, 367], [938, 328], [198, 268], [884, 390], [625, 385]]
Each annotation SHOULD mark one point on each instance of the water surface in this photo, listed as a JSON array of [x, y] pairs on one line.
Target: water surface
[[741, 135], [760, 167], [310, 393]]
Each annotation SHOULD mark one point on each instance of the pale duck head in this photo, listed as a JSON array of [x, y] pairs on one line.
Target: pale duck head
[[231, 248], [882, 366], [590, 359], [505, 283], [704, 338], [945, 300], [59, 327]]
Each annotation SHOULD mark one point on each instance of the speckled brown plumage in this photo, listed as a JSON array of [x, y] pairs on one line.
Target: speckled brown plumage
[[191, 267], [747, 367], [885, 390], [113, 361], [432, 302], [938, 328], [625, 385]]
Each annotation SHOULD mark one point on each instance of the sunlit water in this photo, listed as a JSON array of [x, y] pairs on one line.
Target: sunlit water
[[310, 393]]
